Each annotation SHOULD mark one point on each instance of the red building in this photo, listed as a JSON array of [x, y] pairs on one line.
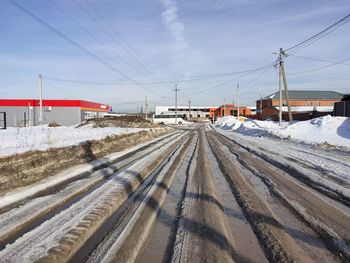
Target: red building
[[305, 104], [229, 110]]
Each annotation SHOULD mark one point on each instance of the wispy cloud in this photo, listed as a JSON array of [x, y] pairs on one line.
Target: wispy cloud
[[171, 21]]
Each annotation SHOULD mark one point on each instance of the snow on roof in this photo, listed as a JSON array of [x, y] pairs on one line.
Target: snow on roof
[[308, 95]]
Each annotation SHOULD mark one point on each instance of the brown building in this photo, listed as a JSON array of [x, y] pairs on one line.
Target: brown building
[[304, 104], [230, 110], [342, 108]]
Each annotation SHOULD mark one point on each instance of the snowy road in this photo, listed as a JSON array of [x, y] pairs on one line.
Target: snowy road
[[200, 195]]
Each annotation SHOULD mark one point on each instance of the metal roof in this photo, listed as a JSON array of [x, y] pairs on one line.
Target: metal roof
[[83, 104], [308, 94]]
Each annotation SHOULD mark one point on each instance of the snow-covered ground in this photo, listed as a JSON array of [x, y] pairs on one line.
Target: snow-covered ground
[[332, 130], [18, 140]]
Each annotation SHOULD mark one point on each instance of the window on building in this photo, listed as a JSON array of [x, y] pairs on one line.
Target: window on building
[[243, 112], [231, 112], [309, 103], [90, 115], [284, 103], [48, 108], [235, 113], [318, 103], [223, 113], [207, 115]]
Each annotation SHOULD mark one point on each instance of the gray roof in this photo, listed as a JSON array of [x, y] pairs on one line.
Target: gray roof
[[308, 94]]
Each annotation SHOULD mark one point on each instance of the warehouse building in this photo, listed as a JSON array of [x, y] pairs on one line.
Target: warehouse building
[[25, 112], [189, 111], [304, 104]]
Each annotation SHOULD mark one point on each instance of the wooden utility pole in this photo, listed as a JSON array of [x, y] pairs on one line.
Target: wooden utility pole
[[281, 60], [280, 92], [176, 90]]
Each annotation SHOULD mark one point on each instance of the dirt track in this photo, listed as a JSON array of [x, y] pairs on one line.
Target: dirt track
[[196, 196]]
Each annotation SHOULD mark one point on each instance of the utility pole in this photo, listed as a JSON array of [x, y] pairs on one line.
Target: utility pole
[[237, 102], [280, 91], [189, 109], [176, 90], [146, 108], [41, 100], [281, 61]]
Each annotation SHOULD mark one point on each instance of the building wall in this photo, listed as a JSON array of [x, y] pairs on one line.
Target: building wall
[[272, 113], [193, 112], [342, 108], [65, 116], [231, 110], [264, 103], [306, 102], [275, 102]]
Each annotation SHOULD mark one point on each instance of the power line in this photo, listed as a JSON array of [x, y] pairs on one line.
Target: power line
[[111, 36], [319, 60], [231, 80], [92, 82], [341, 62], [144, 64], [250, 83], [77, 45], [321, 34], [110, 50]]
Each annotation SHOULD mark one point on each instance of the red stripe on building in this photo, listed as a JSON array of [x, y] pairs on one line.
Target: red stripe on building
[[54, 103]]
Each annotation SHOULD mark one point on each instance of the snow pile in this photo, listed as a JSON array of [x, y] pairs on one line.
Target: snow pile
[[324, 130], [228, 123], [18, 140]]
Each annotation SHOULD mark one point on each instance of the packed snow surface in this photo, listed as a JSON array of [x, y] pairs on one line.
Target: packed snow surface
[[332, 130], [18, 140]]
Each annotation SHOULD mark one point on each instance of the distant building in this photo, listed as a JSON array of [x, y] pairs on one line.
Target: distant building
[[304, 104], [25, 112], [342, 108], [190, 112], [209, 112], [232, 110]]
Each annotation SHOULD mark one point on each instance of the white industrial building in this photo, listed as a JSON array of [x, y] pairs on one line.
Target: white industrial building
[[190, 112]]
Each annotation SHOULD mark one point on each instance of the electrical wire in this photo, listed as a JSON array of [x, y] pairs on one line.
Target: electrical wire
[[110, 50], [341, 62], [104, 29], [158, 82], [319, 60], [79, 46], [230, 81], [316, 37]]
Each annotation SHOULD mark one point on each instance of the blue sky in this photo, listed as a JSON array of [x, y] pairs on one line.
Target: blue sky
[[166, 40]]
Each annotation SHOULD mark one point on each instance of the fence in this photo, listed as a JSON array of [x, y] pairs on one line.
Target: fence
[[2, 120]]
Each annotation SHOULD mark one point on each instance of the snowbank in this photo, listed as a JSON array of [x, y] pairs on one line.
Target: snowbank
[[332, 130], [18, 140], [228, 123]]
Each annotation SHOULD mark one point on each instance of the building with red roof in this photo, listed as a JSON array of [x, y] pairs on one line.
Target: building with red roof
[[25, 112]]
